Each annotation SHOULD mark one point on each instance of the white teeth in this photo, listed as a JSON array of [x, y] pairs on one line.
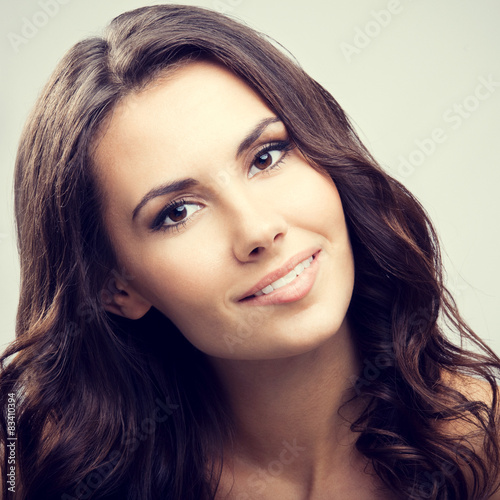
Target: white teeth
[[278, 283], [299, 268], [286, 279], [289, 277]]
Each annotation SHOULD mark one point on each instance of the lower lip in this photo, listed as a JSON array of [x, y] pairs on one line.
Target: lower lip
[[294, 291]]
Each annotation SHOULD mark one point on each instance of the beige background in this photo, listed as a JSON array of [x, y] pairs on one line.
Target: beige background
[[406, 77]]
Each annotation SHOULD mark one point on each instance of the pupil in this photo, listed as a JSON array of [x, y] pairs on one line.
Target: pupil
[[265, 161], [178, 213]]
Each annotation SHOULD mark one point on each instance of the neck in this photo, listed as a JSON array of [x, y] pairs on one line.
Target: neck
[[293, 403]]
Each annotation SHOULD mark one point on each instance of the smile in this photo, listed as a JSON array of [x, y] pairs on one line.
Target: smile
[[296, 271], [289, 283]]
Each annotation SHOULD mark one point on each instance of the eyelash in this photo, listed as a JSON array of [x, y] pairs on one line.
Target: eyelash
[[159, 222], [284, 146]]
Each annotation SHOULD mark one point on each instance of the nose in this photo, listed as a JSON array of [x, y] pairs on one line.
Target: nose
[[258, 228]]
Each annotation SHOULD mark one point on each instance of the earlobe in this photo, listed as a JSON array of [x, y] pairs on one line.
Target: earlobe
[[125, 301]]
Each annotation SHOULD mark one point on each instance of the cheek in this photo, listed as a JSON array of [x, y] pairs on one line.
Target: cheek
[[176, 277], [179, 275], [321, 212], [313, 202]]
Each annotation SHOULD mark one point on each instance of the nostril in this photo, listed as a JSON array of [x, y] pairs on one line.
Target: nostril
[[256, 251]]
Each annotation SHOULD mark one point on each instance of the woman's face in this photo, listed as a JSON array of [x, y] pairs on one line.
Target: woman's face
[[208, 206]]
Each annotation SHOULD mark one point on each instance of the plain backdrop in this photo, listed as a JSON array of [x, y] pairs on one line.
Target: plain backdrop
[[419, 78]]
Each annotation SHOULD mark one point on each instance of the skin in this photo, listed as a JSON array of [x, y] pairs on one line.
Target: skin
[[286, 367], [190, 126]]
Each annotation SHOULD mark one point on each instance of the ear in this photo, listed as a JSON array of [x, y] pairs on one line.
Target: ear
[[121, 299]]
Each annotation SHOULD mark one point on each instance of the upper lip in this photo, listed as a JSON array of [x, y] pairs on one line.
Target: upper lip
[[280, 272]]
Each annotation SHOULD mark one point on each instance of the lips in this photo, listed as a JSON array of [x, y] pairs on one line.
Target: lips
[[288, 278], [283, 276]]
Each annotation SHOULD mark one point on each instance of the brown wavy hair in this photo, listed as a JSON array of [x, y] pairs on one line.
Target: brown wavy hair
[[99, 414]]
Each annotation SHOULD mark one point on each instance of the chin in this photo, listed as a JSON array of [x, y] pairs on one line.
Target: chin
[[293, 340]]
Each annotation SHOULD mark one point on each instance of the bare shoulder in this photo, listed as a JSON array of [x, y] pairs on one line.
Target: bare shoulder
[[475, 390]]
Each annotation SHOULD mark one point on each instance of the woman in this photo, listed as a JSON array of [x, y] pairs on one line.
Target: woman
[[223, 295]]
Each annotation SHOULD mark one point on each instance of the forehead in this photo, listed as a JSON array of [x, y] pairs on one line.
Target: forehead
[[181, 122], [198, 98]]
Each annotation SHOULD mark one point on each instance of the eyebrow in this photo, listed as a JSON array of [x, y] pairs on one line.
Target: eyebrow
[[180, 185], [170, 187], [254, 134]]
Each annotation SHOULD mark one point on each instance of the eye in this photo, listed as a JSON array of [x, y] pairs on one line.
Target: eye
[[179, 213], [269, 157], [174, 215]]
